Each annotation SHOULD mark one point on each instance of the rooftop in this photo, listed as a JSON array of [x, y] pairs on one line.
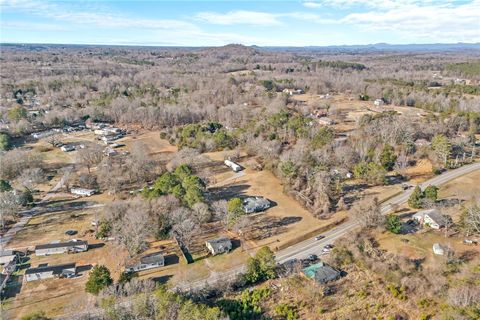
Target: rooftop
[[152, 258], [61, 244], [56, 269]]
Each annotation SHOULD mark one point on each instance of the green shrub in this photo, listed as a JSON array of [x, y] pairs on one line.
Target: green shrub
[[36, 316], [397, 292], [5, 142], [286, 311], [415, 199], [261, 267], [98, 279], [393, 223]]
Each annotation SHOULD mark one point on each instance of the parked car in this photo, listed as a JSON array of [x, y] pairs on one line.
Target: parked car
[[312, 257], [327, 249], [71, 232]]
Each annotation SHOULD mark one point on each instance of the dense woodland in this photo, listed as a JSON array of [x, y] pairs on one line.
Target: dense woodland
[[230, 98]]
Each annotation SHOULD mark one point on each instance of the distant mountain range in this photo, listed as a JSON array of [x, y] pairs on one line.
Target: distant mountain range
[[377, 47], [384, 47]]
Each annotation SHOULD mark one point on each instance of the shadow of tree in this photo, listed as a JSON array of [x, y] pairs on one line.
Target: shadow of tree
[[265, 226]]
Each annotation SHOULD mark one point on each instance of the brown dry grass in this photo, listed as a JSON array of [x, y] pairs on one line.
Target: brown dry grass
[[264, 183]]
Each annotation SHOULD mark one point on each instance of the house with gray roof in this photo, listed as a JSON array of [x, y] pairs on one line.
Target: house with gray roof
[[432, 218], [255, 204], [322, 273], [73, 246], [7, 256], [47, 272], [153, 260], [219, 245]]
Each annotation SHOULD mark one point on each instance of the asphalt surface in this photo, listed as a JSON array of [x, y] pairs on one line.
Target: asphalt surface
[[304, 249], [311, 246]]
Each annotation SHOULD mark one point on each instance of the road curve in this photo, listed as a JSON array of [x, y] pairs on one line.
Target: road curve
[[303, 249], [307, 247]]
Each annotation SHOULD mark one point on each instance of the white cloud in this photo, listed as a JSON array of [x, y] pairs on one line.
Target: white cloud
[[437, 22], [89, 18], [240, 17], [311, 4], [33, 26]]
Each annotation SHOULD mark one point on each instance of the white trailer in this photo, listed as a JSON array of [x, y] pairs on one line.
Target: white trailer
[[235, 167]]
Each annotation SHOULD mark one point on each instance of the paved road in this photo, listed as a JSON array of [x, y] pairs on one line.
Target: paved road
[[307, 247], [303, 249]]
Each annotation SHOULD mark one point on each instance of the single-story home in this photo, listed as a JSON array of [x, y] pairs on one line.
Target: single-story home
[[322, 273], [431, 217], [83, 192], [7, 256], [150, 261], [45, 272], [73, 246], [255, 204], [219, 245]]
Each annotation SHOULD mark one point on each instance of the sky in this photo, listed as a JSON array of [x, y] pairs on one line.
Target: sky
[[262, 23]]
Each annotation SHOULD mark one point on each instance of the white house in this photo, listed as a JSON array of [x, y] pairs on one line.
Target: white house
[[73, 246], [431, 217], [46, 272], [378, 102], [82, 192], [235, 167]]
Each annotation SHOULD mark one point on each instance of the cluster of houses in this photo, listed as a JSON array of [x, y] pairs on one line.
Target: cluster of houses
[[45, 271], [9, 259], [107, 133]]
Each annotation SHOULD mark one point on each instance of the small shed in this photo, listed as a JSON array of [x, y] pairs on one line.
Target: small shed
[[150, 261], [438, 249], [378, 102], [219, 245], [46, 272]]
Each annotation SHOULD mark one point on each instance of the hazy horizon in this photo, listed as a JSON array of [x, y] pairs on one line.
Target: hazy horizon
[[260, 23]]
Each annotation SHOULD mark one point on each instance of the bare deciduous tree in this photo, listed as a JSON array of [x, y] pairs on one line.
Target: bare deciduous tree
[[368, 213], [90, 156]]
